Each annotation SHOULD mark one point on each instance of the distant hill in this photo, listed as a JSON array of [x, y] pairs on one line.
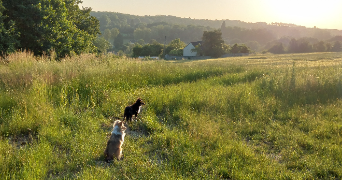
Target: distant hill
[[135, 28]]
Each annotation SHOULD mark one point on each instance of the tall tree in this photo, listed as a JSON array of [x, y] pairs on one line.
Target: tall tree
[[239, 49], [155, 49], [329, 47], [107, 34], [235, 49], [104, 22], [244, 49], [175, 44], [8, 35], [337, 47], [304, 46], [118, 42], [45, 25], [144, 33], [102, 44], [141, 42], [293, 46], [198, 49], [82, 18], [277, 48], [137, 49], [319, 47], [212, 43], [114, 32]]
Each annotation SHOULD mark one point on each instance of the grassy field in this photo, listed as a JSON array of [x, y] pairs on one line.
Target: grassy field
[[253, 117]]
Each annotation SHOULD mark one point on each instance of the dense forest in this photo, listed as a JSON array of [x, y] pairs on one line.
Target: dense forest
[[258, 36]]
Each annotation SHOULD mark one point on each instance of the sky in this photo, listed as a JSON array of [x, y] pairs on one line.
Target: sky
[[324, 14]]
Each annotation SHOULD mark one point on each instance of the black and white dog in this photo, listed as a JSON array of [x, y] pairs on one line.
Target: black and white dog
[[133, 109]]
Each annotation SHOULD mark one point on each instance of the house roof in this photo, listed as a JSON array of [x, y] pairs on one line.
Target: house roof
[[196, 43]]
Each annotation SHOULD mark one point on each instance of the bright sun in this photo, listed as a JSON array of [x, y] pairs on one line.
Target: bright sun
[[310, 12]]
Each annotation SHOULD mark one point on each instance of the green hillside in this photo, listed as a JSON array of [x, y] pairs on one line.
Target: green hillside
[[255, 117], [257, 35]]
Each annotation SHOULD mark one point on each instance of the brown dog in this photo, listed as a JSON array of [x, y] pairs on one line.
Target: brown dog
[[114, 144], [133, 109]]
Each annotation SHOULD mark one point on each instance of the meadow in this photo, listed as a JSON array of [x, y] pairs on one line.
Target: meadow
[[253, 117]]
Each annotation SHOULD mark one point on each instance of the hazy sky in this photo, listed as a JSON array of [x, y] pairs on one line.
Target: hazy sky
[[309, 13]]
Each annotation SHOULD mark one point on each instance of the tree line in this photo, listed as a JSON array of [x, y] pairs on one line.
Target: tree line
[[306, 45], [212, 45], [43, 26]]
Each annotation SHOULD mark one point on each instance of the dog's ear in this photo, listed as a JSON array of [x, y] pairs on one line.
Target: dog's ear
[[141, 101], [120, 123]]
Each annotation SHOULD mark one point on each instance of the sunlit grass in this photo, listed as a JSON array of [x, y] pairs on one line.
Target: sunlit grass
[[254, 117]]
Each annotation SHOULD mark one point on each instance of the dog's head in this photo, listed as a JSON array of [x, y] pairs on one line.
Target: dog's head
[[140, 102], [119, 126]]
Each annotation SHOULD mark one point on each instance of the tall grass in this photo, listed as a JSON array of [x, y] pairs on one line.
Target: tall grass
[[256, 117]]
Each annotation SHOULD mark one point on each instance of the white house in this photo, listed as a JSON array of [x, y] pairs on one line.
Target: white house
[[187, 50]]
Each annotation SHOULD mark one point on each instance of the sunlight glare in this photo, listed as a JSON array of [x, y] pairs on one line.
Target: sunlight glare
[[304, 11]]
